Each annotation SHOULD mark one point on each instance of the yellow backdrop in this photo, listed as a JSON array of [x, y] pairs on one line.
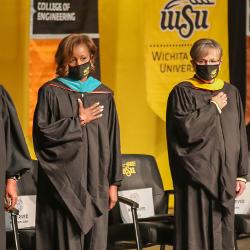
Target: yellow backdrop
[[14, 30], [122, 67]]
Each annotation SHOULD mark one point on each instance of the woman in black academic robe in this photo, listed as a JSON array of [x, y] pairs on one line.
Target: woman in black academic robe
[[14, 157], [208, 153], [77, 142]]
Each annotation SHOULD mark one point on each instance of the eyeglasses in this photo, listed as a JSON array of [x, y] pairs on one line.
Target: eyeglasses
[[209, 62]]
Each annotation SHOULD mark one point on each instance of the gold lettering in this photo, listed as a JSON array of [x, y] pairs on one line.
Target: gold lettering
[[128, 168]]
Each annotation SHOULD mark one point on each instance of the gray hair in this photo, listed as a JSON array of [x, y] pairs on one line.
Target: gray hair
[[200, 47]]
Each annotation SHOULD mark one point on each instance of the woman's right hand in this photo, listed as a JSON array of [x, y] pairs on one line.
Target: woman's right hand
[[220, 99], [89, 114]]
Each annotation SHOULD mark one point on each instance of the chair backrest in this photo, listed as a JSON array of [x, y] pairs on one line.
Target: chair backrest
[[141, 171]]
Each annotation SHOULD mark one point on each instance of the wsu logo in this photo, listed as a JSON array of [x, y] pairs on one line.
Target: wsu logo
[[185, 16]]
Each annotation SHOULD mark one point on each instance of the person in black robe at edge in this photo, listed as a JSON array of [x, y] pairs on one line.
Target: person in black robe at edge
[[77, 143], [208, 153], [14, 157]]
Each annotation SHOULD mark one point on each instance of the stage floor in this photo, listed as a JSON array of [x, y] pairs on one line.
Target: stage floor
[[242, 245]]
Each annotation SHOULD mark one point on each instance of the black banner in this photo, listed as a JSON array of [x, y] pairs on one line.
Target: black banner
[[52, 19]]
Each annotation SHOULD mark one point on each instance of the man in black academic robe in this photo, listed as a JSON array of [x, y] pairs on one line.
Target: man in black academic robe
[[207, 152], [77, 164], [14, 155]]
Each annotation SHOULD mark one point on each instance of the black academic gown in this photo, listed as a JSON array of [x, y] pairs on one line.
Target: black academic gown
[[14, 155], [77, 164], [207, 151]]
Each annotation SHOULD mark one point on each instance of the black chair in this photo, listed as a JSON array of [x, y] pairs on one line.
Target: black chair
[[242, 227], [242, 223], [141, 171], [27, 185]]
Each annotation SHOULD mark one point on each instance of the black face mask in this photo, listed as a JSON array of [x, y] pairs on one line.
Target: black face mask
[[80, 71], [207, 72]]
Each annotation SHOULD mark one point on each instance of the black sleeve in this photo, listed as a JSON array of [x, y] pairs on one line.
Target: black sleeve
[[243, 157], [17, 155], [48, 131], [190, 137], [115, 170], [193, 123]]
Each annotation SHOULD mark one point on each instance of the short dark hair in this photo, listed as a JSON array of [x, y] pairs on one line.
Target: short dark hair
[[65, 51], [200, 46]]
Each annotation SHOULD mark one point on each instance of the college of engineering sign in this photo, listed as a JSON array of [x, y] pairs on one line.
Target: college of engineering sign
[[54, 19]]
